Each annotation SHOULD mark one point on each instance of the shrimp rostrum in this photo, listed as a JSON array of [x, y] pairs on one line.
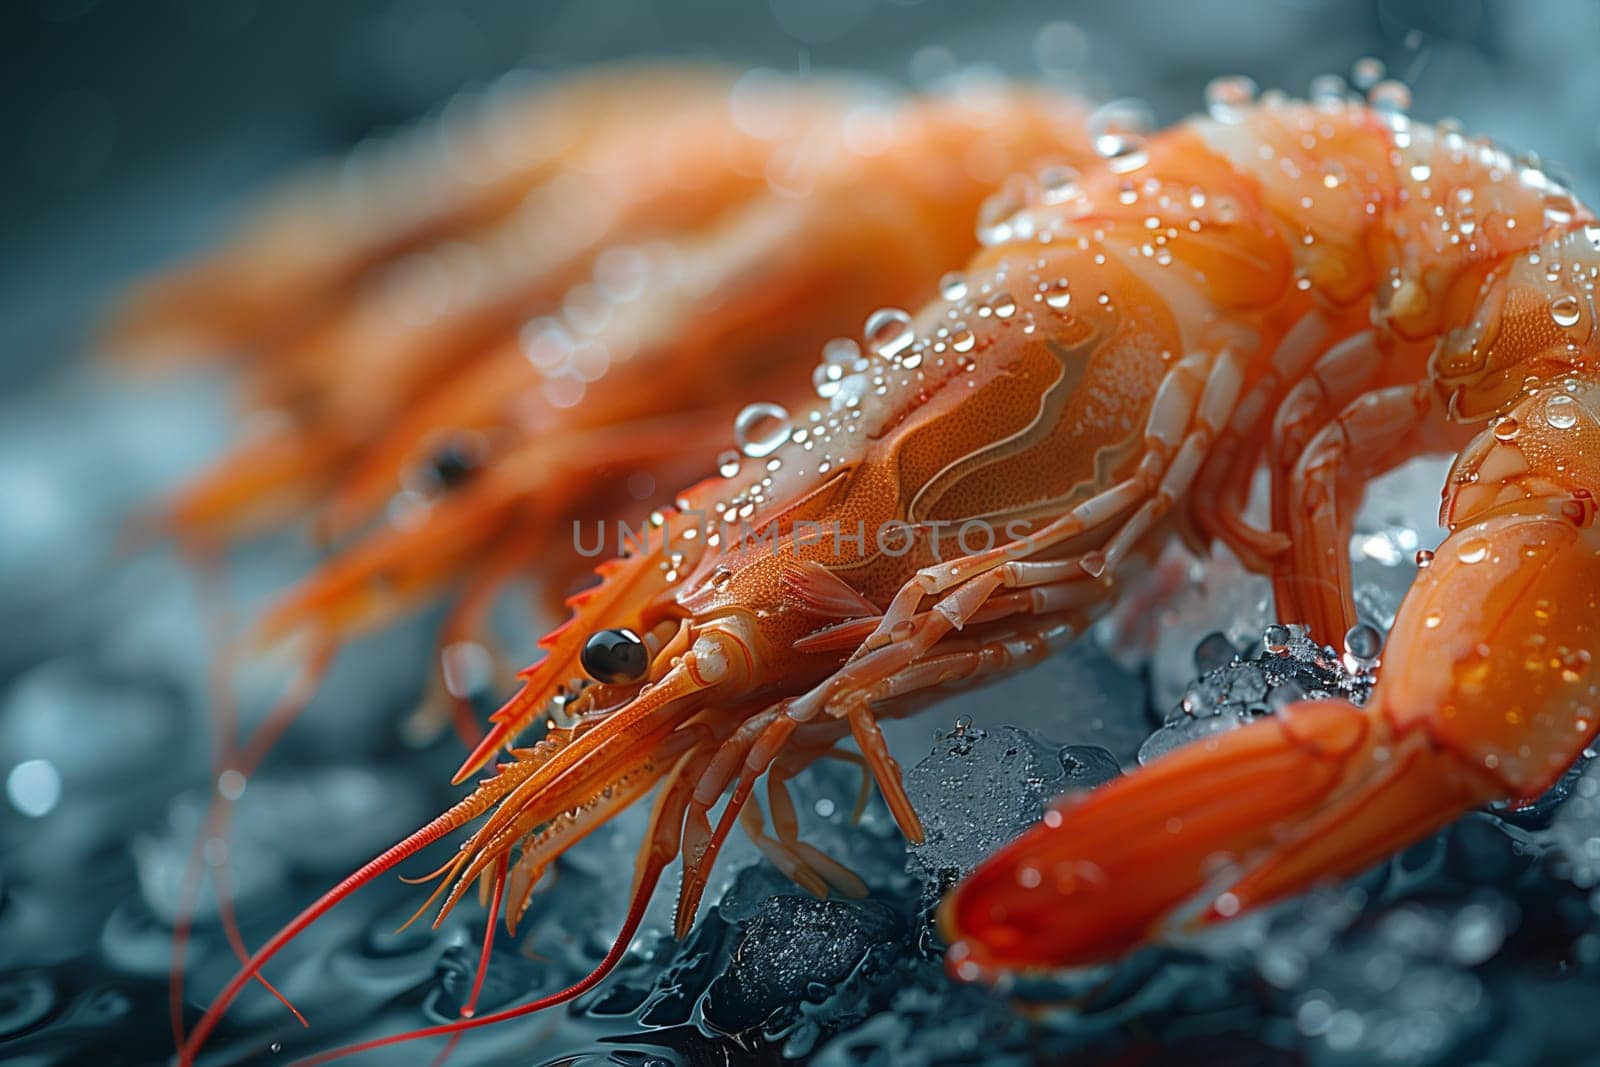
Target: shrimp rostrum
[[1323, 289]]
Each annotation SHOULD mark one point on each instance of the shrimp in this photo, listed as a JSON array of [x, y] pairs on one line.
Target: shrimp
[[1474, 276], [478, 329], [1324, 288], [317, 241], [411, 317], [480, 366]]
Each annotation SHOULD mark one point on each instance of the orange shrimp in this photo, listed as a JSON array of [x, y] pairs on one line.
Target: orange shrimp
[[603, 306], [319, 239], [1480, 274], [493, 288], [1326, 288], [613, 265]]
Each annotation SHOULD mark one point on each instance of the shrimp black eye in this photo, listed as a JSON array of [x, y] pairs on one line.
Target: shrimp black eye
[[452, 463], [615, 657]]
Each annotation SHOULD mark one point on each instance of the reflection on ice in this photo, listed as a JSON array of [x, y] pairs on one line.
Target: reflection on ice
[[1232, 691], [977, 790]]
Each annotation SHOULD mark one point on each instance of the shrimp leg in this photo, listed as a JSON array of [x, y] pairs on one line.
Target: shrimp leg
[[1373, 434], [1461, 715]]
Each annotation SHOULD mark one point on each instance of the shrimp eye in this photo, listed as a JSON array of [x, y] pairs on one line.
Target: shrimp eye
[[615, 657], [452, 463]]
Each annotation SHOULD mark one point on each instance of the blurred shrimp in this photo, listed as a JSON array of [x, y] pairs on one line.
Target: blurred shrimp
[[463, 404]]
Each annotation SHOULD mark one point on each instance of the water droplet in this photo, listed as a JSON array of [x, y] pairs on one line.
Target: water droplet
[[1275, 639], [728, 464], [1424, 559], [1367, 72], [1561, 411], [1506, 429], [1229, 97], [760, 428], [1390, 97], [953, 286], [825, 379], [1363, 643], [1059, 184], [1327, 89], [1124, 153], [1004, 306], [1565, 310], [888, 331], [997, 217], [1473, 551], [962, 340], [842, 352], [1117, 130], [1058, 296]]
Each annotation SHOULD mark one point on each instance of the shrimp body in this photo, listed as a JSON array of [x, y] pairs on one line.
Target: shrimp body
[[1472, 281], [1322, 288]]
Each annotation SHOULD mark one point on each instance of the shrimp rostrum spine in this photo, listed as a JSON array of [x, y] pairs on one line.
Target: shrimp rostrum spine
[[1322, 288]]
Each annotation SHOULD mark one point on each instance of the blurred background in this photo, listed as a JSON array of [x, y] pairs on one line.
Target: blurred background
[[131, 134]]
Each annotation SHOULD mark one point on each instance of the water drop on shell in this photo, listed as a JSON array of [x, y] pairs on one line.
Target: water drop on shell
[[888, 332], [760, 429], [1275, 639], [1363, 643], [1228, 98], [1565, 310], [1561, 412]]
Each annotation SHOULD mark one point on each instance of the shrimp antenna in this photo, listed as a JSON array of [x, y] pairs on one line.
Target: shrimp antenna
[[644, 889], [218, 819], [463, 811], [656, 851]]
